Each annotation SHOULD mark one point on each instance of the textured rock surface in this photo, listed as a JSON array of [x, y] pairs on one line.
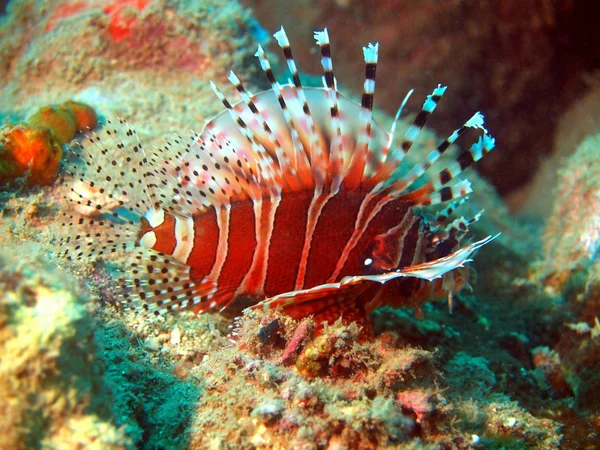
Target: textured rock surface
[[52, 51], [580, 120], [572, 235], [52, 390]]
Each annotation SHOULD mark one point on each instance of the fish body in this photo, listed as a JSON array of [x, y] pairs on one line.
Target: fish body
[[291, 197]]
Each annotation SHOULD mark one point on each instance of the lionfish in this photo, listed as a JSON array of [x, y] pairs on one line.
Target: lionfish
[[291, 197]]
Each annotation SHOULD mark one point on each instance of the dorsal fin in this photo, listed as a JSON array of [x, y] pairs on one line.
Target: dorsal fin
[[301, 162], [420, 168], [282, 158], [466, 159], [268, 171], [318, 158]]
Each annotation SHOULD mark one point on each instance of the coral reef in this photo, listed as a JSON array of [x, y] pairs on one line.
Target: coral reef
[[337, 392], [570, 267]]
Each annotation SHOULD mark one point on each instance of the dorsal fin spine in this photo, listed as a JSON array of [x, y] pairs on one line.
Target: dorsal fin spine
[[355, 174], [336, 150], [268, 170], [282, 157], [476, 121], [389, 163], [466, 159], [301, 162], [317, 159], [396, 155]]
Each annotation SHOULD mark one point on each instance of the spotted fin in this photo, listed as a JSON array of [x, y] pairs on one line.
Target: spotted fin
[[157, 283]]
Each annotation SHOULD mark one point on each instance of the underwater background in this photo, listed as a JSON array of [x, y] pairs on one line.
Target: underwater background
[[517, 363]]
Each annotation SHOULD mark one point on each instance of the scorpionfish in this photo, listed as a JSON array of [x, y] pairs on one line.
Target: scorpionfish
[[292, 197]]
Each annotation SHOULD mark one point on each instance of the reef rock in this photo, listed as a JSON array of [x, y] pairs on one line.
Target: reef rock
[[52, 392], [572, 235]]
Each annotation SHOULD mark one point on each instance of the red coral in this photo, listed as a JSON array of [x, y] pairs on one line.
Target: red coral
[[417, 401], [122, 13], [122, 19], [301, 335]]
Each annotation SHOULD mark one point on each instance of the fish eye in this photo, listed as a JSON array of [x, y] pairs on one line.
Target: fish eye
[[368, 262]]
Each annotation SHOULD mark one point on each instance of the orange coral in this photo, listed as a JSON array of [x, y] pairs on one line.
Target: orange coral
[[58, 120], [85, 117], [34, 149], [25, 148]]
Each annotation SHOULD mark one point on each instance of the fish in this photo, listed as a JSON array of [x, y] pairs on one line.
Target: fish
[[292, 197]]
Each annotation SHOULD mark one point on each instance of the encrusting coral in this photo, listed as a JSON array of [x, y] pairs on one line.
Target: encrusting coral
[[285, 385]]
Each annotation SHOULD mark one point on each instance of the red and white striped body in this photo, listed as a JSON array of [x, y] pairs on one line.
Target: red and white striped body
[[241, 259], [292, 197]]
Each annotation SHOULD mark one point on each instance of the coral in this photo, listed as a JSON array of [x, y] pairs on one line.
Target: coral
[[84, 115], [33, 149], [60, 122], [51, 387], [335, 352], [345, 394], [329, 389], [68, 380], [27, 151], [509, 423]]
